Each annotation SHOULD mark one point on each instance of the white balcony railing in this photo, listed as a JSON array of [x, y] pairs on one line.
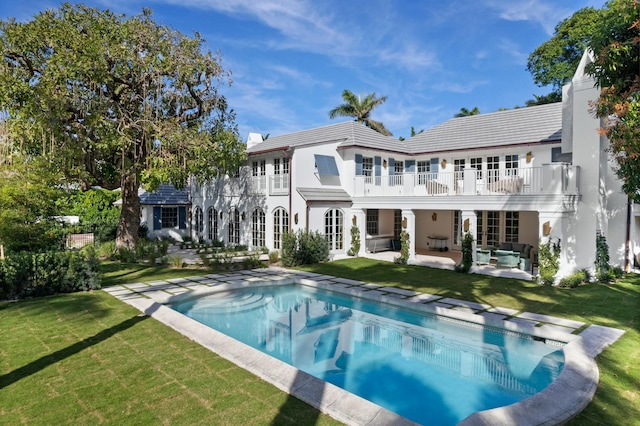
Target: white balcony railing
[[548, 179]]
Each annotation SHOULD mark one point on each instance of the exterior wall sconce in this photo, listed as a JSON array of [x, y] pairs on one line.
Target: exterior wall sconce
[[434, 216], [354, 220], [529, 157], [384, 163], [443, 164], [404, 222], [546, 229], [220, 215], [295, 218], [466, 225], [243, 216]]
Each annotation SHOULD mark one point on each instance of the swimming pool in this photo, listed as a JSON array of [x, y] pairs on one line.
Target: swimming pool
[[427, 368]]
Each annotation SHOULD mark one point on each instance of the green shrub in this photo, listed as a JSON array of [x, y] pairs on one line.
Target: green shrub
[[27, 274], [355, 241], [575, 279], [304, 248], [106, 250], [252, 261], [274, 256], [176, 261], [467, 254], [549, 261], [403, 258]]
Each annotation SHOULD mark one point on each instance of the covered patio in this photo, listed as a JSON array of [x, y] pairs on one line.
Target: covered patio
[[448, 260]]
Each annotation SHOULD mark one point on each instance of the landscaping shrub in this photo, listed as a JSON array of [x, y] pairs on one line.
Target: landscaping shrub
[[575, 279], [404, 249], [549, 261], [467, 254], [355, 241], [27, 274], [274, 256], [304, 248]]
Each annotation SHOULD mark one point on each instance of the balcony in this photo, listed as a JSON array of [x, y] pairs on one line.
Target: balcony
[[560, 179], [269, 185]]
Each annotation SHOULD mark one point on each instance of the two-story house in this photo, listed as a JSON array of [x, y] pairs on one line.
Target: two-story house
[[524, 175]]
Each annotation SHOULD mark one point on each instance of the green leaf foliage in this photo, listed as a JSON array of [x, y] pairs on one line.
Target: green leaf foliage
[[555, 61], [616, 69], [360, 107], [115, 101]]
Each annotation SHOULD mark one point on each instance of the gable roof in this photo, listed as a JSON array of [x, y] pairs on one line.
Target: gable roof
[[536, 124], [341, 132], [165, 195]]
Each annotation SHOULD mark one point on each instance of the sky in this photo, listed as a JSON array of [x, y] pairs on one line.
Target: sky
[[290, 60]]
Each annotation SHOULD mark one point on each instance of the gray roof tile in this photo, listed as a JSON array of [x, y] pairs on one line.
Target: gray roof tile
[[536, 124]]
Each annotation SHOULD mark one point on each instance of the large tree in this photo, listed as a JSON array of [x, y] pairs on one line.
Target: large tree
[[616, 47], [360, 108], [115, 101], [555, 60]]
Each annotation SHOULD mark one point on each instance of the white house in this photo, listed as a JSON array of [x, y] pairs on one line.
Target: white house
[[521, 176]]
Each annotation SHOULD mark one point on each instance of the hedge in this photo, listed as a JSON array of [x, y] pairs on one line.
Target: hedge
[[27, 274]]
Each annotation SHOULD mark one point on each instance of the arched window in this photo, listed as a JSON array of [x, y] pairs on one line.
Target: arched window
[[234, 227], [333, 229], [212, 223], [198, 222], [280, 226], [258, 228]]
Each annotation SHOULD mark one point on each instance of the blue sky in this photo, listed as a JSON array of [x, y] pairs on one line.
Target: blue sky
[[291, 59]]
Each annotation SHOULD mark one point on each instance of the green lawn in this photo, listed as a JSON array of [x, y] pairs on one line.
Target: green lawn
[[89, 358]]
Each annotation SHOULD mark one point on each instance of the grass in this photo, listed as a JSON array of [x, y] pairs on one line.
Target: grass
[[88, 358]]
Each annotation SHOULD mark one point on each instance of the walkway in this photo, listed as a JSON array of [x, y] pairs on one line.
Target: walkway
[[561, 400]]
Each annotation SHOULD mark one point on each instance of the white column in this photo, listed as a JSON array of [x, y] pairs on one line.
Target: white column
[[410, 228], [361, 222], [470, 221]]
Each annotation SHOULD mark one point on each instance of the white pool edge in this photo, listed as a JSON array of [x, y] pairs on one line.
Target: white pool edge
[[562, 400]]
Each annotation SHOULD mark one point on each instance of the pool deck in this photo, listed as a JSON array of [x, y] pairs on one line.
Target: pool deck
[[559, 402]]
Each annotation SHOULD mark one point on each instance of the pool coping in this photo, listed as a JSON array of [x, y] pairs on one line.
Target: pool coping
[[559, 402]]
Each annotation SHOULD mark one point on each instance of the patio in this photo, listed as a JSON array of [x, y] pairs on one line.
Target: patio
[[448, 260]]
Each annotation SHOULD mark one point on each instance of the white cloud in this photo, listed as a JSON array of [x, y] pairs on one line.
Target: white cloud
[[544, 13], [458, 87]]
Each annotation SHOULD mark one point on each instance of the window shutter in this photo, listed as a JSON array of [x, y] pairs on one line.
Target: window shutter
[[392, 165], [358, 164], [377, 161], [157, 218], [182, 217]]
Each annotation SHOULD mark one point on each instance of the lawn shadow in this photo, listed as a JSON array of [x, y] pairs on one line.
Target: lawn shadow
[[50, 359]]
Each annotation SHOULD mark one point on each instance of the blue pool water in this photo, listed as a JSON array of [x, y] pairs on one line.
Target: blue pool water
[[427, 368]]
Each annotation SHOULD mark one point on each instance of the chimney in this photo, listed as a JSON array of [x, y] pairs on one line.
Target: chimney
[[253, 139]]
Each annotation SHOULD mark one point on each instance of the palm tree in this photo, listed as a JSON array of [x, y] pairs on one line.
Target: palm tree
[[413, 133], [360, 108], [465, 112]]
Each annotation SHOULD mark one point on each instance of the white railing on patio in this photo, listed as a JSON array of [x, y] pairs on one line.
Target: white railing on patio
[[547, 179], [279, 184]]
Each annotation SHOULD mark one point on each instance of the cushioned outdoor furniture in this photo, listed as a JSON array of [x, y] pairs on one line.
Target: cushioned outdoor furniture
[[523, 250], [508, 185], [483, 257], [435, 187], [507, 259]]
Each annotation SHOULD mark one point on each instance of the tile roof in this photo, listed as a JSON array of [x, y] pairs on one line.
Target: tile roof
[[542, 123], [166, 195], [324, 194], [340, 132]]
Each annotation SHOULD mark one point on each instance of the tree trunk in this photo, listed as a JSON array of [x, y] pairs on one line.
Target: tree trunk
[[127, 234]]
